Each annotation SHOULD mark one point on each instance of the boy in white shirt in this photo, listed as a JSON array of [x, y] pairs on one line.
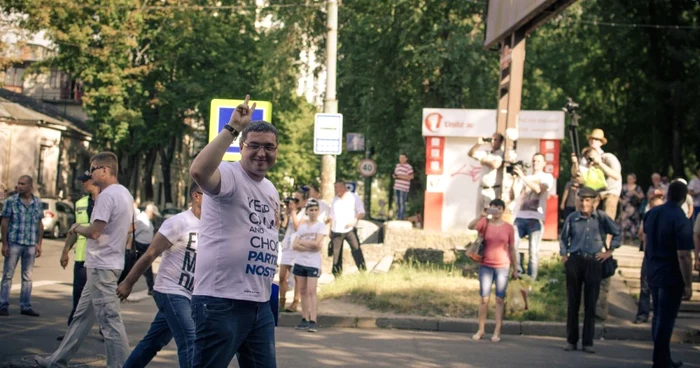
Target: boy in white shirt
[[307, 266], [176, 240]]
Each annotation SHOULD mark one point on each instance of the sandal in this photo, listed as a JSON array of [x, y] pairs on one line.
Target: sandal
[[496, 338], [478, 336]]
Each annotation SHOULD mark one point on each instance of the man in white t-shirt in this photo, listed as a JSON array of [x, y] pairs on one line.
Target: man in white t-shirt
[[307, 266], [237, 246], [176, 240], [104, 261], [143, 236], [531, 207], [490, 160], [346, 210]]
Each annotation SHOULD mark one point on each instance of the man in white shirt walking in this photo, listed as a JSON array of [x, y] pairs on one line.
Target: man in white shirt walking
[[104, 260], [346, 210], [176, 240], [143, 236], [237, 247]]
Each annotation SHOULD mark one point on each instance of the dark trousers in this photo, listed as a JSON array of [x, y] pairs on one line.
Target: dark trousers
[[582, 272], [337, 241], [644, 304], [79, 281], [666, 301], [141, 248]]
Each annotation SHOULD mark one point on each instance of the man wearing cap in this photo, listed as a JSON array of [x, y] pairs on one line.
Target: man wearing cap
[[143, 236], [582, 248], [609, 196], [83, 211]]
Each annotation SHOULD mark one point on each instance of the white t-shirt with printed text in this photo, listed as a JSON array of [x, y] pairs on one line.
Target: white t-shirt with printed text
[[114, 206], [238, 238], [177, 266], [308, 231]]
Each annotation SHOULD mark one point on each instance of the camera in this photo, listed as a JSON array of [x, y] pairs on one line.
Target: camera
[[511, 165], [571, 106], [487, 139], [291, 199]]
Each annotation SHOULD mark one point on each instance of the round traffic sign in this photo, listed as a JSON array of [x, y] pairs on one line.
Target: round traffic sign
[[367, 167]]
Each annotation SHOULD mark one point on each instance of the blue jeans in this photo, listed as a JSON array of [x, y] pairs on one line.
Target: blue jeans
[[400, 203], [174, 319], [227, 327], [27, 254], [531, 228], [486, 277], [696, 211], [666, 302]]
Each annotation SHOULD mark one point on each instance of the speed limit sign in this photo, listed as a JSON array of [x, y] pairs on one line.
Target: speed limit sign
[[368, 167]]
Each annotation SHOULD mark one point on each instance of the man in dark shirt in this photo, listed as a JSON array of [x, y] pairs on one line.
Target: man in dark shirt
[[582, 248], [669, 242]]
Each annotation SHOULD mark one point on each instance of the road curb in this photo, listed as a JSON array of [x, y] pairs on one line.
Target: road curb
[[470, 326]]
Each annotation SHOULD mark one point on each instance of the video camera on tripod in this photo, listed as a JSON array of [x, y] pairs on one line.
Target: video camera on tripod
[[570, 109]]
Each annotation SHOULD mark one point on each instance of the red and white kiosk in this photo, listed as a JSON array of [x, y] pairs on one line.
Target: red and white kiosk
[[453, 178]]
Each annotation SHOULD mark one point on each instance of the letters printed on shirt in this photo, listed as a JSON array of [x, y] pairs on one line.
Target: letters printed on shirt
[[188, 263], [262, 255]]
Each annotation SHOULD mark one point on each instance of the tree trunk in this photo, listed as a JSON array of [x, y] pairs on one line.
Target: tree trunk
[[149, 163], [166, 159]]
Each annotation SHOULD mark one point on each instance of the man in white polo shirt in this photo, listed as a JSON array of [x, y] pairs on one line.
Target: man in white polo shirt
[[104, 260], [346, 210], [176, 240], [237, 247]]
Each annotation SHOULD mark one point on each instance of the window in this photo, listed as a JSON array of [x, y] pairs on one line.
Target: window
[[13, 77]]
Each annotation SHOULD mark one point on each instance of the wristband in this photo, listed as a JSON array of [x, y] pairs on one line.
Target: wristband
[[230, 129]]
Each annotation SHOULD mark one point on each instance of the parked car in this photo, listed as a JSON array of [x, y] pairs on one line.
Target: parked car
[[58, 217]]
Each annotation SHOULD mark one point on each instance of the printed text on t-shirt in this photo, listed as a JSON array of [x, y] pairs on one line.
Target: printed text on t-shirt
[[187, 274], [264, 250]]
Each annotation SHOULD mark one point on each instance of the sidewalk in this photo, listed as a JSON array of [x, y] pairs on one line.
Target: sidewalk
[[336, 314]]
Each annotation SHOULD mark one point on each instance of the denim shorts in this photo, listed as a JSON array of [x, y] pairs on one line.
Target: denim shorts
[[303, 271], [487, 275]]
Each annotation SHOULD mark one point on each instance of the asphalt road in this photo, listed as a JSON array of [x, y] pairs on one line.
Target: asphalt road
[[22, 336]]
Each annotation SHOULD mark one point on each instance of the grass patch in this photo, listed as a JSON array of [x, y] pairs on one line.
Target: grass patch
[[442, 291]]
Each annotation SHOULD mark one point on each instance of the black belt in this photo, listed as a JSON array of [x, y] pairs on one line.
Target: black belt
[[584, 255]]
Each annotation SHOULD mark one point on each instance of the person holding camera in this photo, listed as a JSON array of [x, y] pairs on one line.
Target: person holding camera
[[294, 217], [603, 173], [499, 256], [582, 249], [530, 208], [490, 159]]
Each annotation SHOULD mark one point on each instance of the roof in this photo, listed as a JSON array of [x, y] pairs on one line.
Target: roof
[[15, 106]]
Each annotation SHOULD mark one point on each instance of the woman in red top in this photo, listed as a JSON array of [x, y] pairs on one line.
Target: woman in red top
[[499, 256]]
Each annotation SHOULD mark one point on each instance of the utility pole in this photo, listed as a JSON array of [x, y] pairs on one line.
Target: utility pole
[[330, 103]]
